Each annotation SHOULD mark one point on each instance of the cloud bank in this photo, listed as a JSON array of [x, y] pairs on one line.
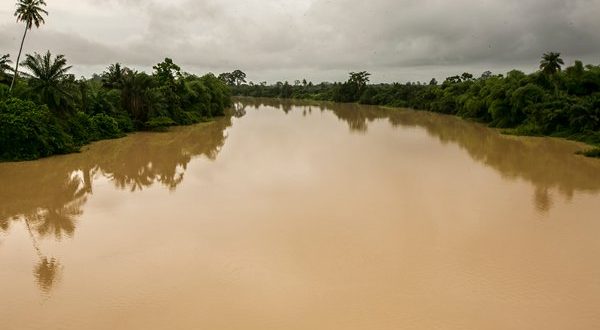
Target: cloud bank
[[396, 40]]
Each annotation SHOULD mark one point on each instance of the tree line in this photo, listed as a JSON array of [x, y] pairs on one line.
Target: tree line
[[46, 110], [548, 102]]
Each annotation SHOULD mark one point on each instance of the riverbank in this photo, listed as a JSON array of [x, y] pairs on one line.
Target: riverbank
[[549, 102], [41, 118], [588, 147]]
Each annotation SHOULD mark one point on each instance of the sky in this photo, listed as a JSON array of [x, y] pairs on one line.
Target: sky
[[320, 40]]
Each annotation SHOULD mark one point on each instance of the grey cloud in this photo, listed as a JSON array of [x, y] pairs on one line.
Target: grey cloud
[[323, 39]]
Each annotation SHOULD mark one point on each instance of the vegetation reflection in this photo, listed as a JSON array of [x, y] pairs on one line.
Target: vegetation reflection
[[545, 165], [48, 196]]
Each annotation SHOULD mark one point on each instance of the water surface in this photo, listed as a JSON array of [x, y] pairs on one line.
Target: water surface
[[299, 216]]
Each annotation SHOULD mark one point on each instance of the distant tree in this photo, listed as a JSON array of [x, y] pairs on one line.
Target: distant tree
[[551, 63], [239, 77], [167, 72], [452, 80], [48, 77], [466, 76], [227, 78], [486, 75], [113, 77], [360, 80], [433, 82], [30, 12], [576, 70]]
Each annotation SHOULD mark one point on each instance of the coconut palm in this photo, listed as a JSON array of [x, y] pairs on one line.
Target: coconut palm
[[5, 67], [551, 63], [48, 77], [30, 12], [136, 90], [5, 64], [113, 77]]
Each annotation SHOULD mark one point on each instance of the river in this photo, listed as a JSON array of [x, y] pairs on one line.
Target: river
[[304, 216]]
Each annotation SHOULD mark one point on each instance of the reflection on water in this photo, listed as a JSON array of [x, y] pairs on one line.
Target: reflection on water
[[49, 194], [332, 209], [546, 163]]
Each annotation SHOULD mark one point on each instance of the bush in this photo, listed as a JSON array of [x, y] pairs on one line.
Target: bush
[[29, 131], [79, 126], [105, 127]]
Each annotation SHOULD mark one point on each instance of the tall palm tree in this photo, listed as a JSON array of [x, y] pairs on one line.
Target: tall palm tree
[[30, 12], [48, 77], [551, 63]]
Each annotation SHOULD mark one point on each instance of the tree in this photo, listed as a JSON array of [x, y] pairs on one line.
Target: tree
[[5, 68], [166, 72], [5, 64], [134, 95], [360, 80], [551, 63], [48, 77], [227, 78], [30, 12], [239, 77], [113, 77], [466, 76]]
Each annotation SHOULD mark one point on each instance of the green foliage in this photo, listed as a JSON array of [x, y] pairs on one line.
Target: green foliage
[[49, 80], [30, 12], [551, 63], [6, 69], [105, 127], [51, 112], [29, 131], [552, 101]]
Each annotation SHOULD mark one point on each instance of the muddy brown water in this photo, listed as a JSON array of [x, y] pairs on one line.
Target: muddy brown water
[[304, 216]]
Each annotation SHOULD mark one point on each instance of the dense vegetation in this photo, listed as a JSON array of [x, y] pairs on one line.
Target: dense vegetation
[[45, 110], [50, 112], [551, 101]]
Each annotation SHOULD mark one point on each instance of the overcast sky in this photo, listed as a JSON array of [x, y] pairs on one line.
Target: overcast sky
[[396, 40]]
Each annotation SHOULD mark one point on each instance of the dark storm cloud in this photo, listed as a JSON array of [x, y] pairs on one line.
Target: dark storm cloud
[[320, 39]]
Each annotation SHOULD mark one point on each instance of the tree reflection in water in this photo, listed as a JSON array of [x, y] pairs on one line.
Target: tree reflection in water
[[48, 195], [545, 165]]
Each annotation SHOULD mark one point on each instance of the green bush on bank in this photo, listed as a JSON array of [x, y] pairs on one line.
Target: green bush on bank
[[29, 131]]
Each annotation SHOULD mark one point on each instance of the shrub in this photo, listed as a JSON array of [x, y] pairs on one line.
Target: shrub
[[105, 127], [28, 131]]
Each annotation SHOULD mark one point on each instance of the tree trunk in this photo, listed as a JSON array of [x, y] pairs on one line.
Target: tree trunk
[[18, 59]]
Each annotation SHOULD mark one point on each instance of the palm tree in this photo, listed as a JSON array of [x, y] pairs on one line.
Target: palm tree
[[551, 63], [5, 63], [135, 93], [5, 66], [30, 12], [113, 77], [48, 77]]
